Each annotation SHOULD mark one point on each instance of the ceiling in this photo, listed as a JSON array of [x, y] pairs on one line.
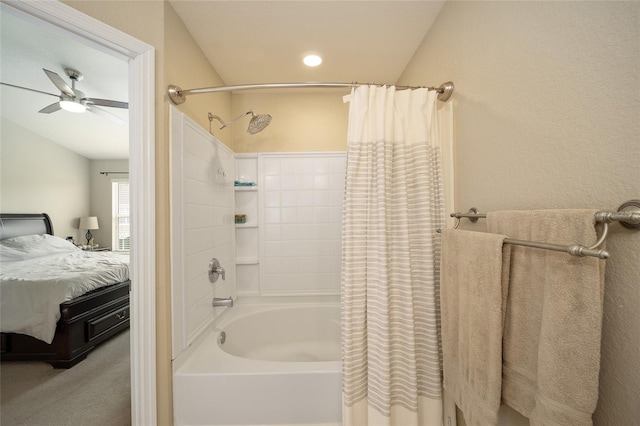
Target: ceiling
[[247, 42], [27, 46], [265, 41]]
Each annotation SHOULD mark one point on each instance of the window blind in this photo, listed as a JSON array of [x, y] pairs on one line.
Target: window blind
[[121, 228]]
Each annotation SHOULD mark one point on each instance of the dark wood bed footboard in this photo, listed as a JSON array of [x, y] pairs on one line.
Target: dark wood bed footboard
[[85, 322]]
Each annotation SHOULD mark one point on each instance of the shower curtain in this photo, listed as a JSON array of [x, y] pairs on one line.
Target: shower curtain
[[393, 205]]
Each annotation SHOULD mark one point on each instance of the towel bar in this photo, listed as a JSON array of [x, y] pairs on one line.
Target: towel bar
[[628, 214], [574, 250]]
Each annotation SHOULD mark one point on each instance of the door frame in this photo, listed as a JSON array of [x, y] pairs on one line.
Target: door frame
[[140, 57]]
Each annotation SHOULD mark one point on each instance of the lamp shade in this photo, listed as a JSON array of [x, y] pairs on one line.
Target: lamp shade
[[89, 222]]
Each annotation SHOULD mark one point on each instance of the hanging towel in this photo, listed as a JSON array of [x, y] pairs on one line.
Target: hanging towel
[[551, 353], [473, 293]]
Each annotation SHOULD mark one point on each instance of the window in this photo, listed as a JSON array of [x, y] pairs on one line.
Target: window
[[120, 230]]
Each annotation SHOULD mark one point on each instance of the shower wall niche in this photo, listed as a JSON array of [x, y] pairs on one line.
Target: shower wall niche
[[247, 234], [291, 241]]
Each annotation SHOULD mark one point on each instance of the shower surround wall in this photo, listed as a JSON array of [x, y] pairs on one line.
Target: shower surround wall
[[202, 209], [298, 233], [289, 246]]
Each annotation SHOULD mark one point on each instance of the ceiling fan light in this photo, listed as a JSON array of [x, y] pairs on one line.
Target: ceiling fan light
[[72, 106]]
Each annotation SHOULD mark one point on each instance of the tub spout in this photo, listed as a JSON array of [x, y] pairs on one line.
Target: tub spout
[[223, 301]]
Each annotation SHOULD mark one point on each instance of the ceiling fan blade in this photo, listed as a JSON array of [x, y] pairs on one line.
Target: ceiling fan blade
[[108, 103], [59, 83], [51, 108], [106, 114], [31, 90]]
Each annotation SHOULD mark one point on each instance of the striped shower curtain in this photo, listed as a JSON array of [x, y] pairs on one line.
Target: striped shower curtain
[[393, 206]]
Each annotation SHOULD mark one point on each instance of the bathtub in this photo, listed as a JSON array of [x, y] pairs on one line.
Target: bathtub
[[279, 364]]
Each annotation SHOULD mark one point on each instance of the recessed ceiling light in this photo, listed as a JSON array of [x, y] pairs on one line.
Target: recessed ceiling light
[[312, 60]]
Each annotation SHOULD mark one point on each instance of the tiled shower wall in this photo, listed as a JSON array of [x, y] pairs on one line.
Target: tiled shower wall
[[202, 171], [289, 245], [301, 222]]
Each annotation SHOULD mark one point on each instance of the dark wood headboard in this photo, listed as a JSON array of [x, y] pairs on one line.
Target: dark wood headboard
[[19, 224]]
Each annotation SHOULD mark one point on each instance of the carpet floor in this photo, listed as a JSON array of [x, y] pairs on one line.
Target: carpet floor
[[95, 392]]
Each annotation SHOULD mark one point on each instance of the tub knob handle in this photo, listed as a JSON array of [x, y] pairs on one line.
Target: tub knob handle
[[215, 270]]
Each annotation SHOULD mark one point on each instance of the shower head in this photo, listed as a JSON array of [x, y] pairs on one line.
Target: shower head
[[257, 123]]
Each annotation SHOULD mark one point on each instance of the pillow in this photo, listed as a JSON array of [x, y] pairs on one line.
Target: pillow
[[33, 246]]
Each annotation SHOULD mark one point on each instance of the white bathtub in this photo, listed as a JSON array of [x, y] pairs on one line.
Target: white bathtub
[[280, 364]]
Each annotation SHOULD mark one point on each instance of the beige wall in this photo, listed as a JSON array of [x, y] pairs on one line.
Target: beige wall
[[301, 122], [547, 110], [39, 176], [187, 67]]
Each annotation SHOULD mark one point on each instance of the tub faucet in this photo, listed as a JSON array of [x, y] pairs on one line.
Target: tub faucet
[[222, 301]]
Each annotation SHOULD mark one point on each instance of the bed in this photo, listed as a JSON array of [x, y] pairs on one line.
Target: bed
[[55, 307]]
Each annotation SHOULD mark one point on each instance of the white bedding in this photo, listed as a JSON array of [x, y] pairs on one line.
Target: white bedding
[[38, 272]]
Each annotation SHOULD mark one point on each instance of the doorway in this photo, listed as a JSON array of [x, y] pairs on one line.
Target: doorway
[[140, 57]]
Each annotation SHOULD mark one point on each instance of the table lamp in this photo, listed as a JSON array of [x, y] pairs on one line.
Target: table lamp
[[89, 223]]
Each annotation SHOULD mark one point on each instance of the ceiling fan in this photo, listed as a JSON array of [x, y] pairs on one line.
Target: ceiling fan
[[74, 100]]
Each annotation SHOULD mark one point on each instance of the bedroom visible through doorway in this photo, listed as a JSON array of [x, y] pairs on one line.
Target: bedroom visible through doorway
[[138, 58]]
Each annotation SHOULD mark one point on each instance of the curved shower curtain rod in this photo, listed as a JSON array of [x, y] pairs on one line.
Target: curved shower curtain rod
[[178, 95]]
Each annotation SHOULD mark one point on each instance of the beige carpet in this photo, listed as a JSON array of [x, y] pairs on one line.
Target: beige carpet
[[95, 392]]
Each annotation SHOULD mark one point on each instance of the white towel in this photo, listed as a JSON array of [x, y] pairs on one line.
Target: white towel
[[551, 354], [472, 296]]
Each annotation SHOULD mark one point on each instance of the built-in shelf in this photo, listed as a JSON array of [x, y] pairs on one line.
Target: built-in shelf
[[246, 188], [247, 261], [246, 225], [247, 201]]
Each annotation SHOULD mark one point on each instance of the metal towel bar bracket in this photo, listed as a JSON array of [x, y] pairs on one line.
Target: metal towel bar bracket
[[628, 214]]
